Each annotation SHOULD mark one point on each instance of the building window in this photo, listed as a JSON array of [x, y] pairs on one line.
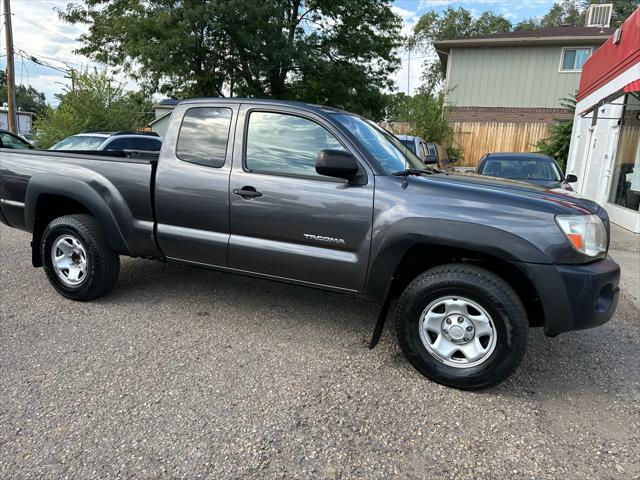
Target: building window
[[625, 187], [574, 58]]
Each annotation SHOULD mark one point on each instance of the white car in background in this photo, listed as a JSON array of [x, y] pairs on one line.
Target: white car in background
[[113, 141]]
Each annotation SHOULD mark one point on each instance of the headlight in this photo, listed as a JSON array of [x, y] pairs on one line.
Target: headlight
[[585, 232]]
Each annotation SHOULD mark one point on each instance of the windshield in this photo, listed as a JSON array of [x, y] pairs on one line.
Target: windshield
[[522, 169], [79, 142], [386, 149]]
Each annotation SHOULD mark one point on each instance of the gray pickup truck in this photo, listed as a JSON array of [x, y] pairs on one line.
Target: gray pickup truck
[[323, 198]]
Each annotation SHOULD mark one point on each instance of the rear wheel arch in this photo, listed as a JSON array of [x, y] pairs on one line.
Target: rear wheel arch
[[49, 197]]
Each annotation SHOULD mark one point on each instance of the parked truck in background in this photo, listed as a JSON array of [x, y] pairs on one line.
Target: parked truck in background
[[323, 198]]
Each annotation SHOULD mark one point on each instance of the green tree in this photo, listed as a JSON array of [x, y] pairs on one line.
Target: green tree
[[94, 102], [426, 113], [428, 117], [574, 13], [489, 22], [526, 24], [557, 144], [27, 97], [325, 51], [449, 24], [568, 12]]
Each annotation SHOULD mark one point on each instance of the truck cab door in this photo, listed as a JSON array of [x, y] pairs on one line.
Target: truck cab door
[[192, 183], [286, 220]]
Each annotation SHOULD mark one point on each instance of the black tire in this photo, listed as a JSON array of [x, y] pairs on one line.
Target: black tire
[[487, 290], [103, 263]]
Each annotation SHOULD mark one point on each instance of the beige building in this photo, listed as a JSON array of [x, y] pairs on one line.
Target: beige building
[[506, 89]]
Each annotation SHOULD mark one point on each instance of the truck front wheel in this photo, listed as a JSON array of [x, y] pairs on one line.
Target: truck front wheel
[[77, 258], [462, 326]]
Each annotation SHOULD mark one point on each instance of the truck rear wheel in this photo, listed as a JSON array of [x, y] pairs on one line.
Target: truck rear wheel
[[77, 258], [462, 326]]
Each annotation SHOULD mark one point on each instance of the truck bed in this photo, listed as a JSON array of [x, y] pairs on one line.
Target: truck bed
[[123, 181]]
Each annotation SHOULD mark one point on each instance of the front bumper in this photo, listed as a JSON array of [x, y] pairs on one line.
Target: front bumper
[[575, 297]]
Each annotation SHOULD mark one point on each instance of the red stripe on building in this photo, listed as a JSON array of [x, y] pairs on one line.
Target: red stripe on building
[[611, 60], [632, 87]]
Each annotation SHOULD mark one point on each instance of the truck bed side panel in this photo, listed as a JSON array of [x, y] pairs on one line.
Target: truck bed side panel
[[121, 188]]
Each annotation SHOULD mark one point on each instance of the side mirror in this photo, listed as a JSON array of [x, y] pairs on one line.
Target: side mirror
[[571, 178], [430, 160], [337, 163]]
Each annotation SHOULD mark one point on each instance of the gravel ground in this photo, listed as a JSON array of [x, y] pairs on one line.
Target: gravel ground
[[189, 373]]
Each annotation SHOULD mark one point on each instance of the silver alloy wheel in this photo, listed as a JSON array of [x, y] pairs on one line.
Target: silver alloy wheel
[[69, 260], [457, 331]]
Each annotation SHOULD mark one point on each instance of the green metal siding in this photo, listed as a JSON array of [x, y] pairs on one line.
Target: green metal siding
[[525, 77]]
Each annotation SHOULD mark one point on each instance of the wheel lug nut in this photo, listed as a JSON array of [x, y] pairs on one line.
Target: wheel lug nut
[[465, 339], [448, 320], [469, 328], [445, 331], [460, 319]]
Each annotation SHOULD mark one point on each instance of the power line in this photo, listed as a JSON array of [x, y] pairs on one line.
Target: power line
[[33, 59], [36, 57]]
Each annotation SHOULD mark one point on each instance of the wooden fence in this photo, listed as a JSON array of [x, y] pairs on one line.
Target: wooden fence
[[478, 138]]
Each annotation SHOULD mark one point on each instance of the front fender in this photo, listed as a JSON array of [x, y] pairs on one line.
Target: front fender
[[103, 202], [391, 244]]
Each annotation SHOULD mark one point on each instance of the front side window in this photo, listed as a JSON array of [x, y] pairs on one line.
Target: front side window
[[573, 59], [279, 143], [203, 136]]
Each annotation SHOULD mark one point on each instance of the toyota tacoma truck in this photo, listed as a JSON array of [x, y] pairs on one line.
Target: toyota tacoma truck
[[323, 198]]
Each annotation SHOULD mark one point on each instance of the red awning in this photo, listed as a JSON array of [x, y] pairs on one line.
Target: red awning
[[632, 87]]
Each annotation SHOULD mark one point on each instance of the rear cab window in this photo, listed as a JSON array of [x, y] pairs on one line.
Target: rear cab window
[[203, 136]]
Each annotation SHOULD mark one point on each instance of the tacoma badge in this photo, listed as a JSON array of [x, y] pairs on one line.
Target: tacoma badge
[[320, 238]]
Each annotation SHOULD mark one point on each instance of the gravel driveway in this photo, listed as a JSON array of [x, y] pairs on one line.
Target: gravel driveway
[[189, 373]]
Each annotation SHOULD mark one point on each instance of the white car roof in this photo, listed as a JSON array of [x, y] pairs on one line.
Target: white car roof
[[89, 134]]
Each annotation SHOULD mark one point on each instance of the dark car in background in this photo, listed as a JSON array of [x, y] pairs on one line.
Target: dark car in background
[[105, 141], [429, 152], [527, 167], [11, 140]]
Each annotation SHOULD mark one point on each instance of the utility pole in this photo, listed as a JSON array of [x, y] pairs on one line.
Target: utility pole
[[11, 79]]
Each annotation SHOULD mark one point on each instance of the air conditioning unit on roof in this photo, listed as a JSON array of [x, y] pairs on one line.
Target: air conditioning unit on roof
[[599, 15]]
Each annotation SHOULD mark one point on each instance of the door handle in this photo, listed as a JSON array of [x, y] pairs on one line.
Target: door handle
[[247, 192]]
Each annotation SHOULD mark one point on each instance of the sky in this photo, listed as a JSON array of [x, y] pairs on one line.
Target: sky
[[38, 32]]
